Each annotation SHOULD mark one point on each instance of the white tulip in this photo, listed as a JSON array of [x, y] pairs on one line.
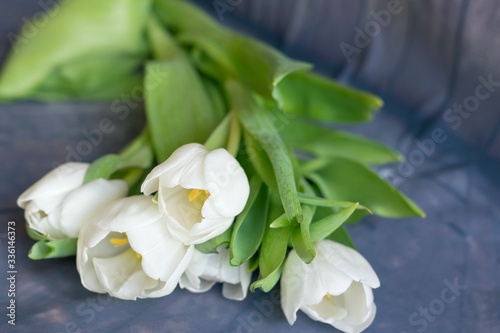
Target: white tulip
[[335, 288], [58, 205], [128, 252], [206, 269], [199, 191]]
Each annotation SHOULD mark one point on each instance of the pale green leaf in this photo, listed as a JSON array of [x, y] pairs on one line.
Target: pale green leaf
[[325, 226], [344, 179], [178, 107], [323, 142], [238, 57], [312, 96], [86, 49]]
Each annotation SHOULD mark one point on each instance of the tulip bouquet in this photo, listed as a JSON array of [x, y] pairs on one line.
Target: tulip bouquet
[[237, 170]]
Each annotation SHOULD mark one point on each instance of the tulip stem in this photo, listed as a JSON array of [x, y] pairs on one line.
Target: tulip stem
[[226, 135], [234, 140]]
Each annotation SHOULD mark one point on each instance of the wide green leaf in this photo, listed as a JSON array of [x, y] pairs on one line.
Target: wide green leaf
[[257, 65], [258, 124], [86, 49], [273, 249], [250, 224], [178, 107], [44, 249], [323, 142], [344, 179], [312, 96]]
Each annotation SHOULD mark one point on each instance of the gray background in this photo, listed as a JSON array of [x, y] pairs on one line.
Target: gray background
[[428, 56]]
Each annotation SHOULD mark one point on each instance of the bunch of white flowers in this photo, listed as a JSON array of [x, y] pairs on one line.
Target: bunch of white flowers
[[136, 247]]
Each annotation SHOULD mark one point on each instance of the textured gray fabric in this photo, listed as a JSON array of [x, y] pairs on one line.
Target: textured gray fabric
[[430, 56]]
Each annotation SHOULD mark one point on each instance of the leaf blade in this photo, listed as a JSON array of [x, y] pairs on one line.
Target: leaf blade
[[351, 180]]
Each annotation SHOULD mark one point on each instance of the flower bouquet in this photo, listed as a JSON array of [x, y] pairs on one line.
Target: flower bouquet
[[237, 171]]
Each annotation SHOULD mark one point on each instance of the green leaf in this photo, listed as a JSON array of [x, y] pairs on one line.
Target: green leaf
[[257, 123], [220, 135], [267, 283], [86, 49], [253, 262], [301, 238], [282, 222], [161, 43], [323, 142], [350, 180], [44, 249], [250, 224], [128, 166], [321, 202], [238, 57], [273, 249], [341, 236], [211, 245], [324, 227], [178, 107], [312, 96], [260, 161], [215, 91], [102, 168]]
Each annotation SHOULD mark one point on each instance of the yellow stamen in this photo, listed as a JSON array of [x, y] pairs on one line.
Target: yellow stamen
[[195, 193], [329, 297], [138, 255], [119, 241]]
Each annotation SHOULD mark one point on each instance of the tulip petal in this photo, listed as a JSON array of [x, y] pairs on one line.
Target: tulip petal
[[325, 311], [206, 269], [200, 263], [175, 166], [60, 180], [82, 204], [227, 183], [200, 232], [293, 285], [128, 214], [93, 242], [122, 275], [348, 261], [238, 291], [153, 242], [39, 220]]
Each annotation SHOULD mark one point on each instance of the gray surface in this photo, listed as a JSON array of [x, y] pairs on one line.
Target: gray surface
[[426, 59]]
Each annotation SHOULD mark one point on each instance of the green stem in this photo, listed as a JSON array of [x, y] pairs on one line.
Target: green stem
[[233, 143], [139, 142], [218, 138], [226, 135]]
